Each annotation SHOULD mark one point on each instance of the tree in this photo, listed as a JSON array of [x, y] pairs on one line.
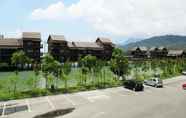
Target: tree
[[19, 58], [50, 66], [14, 82], [117, 52], [90, 63], [100, 70], [66, 69], [119, 64]]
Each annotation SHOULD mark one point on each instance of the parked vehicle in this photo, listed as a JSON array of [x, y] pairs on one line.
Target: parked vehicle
[[133, 85], [184, 72], [184, 86], [155, 82]]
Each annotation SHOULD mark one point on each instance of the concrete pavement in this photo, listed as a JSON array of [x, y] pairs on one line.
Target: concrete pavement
[[167, 102]]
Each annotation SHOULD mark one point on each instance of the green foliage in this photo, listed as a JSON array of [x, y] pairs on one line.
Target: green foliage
[[117, 52], [4, 65], [88, 61], [66, 69], [50, 66], [20, 58], [119, 63]]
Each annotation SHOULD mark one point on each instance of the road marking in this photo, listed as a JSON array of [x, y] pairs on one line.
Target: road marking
[[28, 105], [4, 107], [69, 100], [50, 103]]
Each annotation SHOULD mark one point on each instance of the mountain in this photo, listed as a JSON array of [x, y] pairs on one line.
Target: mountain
[[169, 41], [132, 40]]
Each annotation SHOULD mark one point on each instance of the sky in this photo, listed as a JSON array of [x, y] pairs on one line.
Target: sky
[[85, 20]]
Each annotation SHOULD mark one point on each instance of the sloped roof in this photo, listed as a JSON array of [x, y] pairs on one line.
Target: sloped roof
[[57, 38], [134, 48], [162, 48], [70, 45], [85, 45], [175, 52], [10, 43], [31, 35], [104, 40], [143, 48], [152, 48]]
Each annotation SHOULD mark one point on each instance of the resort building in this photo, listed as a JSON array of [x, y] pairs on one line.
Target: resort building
[[63, 50], [155, 52], [176, 54], [139, 52], [30, 43]]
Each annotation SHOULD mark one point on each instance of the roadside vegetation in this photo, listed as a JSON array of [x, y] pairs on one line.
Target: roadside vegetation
[[89, 73]]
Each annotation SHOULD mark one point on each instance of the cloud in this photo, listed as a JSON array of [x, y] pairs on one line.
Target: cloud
[[123, 17], [52, 12], [14, 34]]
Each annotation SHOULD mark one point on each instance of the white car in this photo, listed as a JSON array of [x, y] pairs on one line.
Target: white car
[[155, 82]]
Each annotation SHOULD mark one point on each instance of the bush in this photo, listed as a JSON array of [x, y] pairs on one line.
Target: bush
[[37, 92]]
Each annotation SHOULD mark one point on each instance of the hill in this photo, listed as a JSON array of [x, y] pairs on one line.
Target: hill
[[169, 41]]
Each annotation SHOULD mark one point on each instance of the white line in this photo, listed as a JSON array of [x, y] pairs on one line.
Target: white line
[[50, 103], [4, 107], [69, 100], [28, 105]]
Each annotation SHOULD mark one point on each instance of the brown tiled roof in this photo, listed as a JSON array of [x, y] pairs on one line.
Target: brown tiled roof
[[152, 48], [142, 48], [134, 48], [85, 45], [70, 45], [57, 38], [10, 43], [161, 48], [31, 35], [104, 40], [175, 52]]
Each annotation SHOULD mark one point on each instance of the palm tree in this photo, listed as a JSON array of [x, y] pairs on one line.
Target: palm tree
[[89, 62], [119, 64], [19, 58], [66, 69], [50, 66]]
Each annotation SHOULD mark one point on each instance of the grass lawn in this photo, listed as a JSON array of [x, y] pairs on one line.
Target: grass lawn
[[25, 89], [22, 74]]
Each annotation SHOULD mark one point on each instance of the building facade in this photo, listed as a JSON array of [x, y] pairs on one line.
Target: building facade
[[160, 52], [155, 53], [139, 52], [63, 50], [29, 43]]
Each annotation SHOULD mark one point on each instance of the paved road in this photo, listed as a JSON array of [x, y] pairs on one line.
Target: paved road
[[167, 102]]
